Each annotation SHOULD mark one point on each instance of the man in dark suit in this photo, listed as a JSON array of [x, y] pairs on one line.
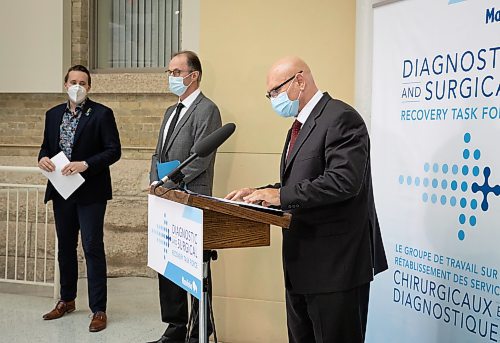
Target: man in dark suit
[[87, 134], [333, 246], [191, 119]]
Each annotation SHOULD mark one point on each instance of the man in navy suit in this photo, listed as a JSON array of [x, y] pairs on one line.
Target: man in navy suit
[[87, 134], [333, 247]]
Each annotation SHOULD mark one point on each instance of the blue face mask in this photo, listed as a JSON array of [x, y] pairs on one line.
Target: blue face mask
[[176, 84], [284, 106]]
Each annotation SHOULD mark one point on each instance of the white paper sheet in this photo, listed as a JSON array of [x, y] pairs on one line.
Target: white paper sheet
[[65, 185]]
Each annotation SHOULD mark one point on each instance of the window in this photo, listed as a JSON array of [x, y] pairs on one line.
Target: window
[[134, 34]]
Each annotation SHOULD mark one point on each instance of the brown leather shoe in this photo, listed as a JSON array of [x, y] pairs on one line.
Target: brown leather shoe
[[98, 322], [61, 308]]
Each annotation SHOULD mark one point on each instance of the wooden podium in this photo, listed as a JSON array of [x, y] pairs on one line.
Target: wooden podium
[[225, 225], [228, 225]]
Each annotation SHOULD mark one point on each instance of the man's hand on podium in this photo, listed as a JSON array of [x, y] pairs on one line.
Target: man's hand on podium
[[239, 194], [265, 197]]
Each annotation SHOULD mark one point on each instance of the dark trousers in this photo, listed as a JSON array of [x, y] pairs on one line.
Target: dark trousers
[[71, 217], [174, 308], [336, 317]]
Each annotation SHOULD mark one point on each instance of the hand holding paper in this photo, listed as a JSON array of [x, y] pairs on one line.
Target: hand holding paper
[[64, 184], [46, 164]]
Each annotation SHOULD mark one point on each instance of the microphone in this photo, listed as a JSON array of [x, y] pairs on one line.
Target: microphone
[[211, 142], [201, 149]]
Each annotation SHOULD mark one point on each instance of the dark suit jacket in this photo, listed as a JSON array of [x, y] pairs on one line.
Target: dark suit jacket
[[334, 241], [96, 141], [201, 119]]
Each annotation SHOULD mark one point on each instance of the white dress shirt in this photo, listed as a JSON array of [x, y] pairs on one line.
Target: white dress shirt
[[187, 103], [306, 110]]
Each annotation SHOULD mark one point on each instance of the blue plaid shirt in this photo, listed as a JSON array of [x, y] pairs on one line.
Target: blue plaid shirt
[[68, 128]]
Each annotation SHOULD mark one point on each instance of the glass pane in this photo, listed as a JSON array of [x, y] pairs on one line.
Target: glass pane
[[136, 34]]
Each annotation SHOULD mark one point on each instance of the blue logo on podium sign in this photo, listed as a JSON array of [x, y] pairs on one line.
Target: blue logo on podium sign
[[162, 235], [442, 179]]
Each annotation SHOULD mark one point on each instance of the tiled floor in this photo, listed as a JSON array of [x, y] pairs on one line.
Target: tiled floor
[[133, 315]]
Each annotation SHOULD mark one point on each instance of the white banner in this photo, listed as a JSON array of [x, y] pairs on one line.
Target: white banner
[[436, 171], [175, 243]]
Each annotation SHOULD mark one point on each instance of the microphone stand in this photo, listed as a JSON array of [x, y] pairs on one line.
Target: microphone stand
[[176, 176], [204, 312], [203, 334]]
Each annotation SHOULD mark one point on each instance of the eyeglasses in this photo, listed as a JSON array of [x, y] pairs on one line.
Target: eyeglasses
[[273, 93], [176, 72]]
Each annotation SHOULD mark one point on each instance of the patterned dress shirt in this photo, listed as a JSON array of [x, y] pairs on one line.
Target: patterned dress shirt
[[68, 128]]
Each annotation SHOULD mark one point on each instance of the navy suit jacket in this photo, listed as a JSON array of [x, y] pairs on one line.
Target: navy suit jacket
[[96, 141], [334, 242]]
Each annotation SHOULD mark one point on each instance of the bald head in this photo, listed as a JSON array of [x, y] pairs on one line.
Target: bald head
[[303, 84], [287, 66]]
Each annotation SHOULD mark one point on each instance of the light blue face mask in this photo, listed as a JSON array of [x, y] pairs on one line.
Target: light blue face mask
[[284, 106], [176, 84]]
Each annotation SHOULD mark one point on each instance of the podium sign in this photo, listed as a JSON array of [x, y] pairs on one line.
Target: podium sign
[[175, 243]]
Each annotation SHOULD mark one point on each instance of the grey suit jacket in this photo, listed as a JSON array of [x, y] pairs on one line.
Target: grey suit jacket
[[201, 119]]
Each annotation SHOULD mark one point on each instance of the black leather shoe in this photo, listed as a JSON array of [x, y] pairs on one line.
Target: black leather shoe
[[164, 339]]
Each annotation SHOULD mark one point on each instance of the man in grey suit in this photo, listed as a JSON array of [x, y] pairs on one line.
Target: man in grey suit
[[193, 118]]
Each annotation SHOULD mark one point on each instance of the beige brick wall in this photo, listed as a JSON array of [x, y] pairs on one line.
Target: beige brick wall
[[79, 32], [138, 117]]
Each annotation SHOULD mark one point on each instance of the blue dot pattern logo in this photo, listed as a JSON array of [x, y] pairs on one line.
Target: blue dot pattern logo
[[162, 235], [464, 191], [485, 188]]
